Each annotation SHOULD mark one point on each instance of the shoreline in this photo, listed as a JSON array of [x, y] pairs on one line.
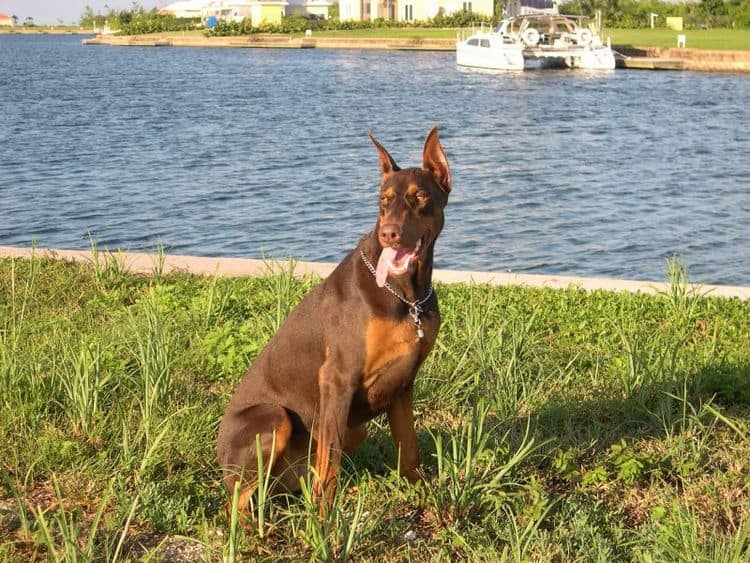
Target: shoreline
[[704, 60], [50, 31], [144, 263]]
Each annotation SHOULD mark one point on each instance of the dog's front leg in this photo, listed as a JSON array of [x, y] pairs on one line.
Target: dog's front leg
[[336, 390], [401, 421]]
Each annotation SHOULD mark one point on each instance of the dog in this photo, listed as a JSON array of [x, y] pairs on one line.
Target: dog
[[350, 350]]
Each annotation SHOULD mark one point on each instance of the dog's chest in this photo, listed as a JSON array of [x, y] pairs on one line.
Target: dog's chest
[[393, 352]]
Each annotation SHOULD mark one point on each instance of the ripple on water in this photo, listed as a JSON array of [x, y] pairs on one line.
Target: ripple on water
[[243, 152]]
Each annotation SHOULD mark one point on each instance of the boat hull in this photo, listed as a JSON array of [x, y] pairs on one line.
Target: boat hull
[[511, 57], [488, 58], [533, 41], [596, 59]]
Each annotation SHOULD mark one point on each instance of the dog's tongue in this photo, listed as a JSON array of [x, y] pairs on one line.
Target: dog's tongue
[[384, 263]]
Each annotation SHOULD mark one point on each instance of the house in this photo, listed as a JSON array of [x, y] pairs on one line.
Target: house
[[514, 8], [258, 11], [5, 20], [268, 11], [317, 9], [183, 9], [410, 10], [227, 10]]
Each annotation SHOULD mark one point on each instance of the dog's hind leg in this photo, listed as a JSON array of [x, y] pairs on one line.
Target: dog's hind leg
[[240, 435], [354, 437], [294, 462]]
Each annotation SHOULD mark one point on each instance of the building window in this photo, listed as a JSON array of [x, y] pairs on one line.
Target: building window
[[467, 6], [408, 12]]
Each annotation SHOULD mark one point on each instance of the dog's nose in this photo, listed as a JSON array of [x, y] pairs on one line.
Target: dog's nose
[[390, 234]]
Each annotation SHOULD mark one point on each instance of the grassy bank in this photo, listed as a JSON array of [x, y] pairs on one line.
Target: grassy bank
[[724, 39], [376, 33], [554, 425], [732, 39]]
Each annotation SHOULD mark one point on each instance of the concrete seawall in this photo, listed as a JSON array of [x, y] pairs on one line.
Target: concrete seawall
[[712, 60], [274, 42], [234, 267]]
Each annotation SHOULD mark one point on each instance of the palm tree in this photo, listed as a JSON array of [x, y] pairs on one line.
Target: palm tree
[[15, 19]]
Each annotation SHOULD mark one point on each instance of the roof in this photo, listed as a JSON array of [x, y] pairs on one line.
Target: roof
[[184, 5]]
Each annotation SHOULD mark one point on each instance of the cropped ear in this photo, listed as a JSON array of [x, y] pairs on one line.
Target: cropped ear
[[434, 160], [387, 165]]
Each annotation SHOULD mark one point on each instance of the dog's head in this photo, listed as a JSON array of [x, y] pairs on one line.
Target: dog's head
[[411, 208]]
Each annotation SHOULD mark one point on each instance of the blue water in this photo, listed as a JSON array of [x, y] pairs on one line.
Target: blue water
[[245, 152]]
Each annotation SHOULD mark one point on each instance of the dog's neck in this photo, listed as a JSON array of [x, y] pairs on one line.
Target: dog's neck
[[412, 287]]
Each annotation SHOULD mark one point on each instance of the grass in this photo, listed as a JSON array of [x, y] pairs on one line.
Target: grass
[[723, 39], [391, 33], [730, 39], [733, 39], [375, 33], [554, 425]]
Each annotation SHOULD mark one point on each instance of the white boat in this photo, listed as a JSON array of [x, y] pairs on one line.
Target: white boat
[[527, 41]]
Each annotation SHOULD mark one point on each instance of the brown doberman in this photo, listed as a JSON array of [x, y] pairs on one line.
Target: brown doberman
[[351, 348]]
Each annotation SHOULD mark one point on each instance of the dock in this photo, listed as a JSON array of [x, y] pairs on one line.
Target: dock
[[650, 63]]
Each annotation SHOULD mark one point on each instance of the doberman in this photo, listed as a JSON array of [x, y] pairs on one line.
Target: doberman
[[351, 348]]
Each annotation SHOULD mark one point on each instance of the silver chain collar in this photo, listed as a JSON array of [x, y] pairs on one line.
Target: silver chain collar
[[415, 307]]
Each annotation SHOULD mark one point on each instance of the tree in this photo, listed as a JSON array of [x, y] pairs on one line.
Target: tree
[[87, 18], [29, 21], [15, 19], [713, 7]]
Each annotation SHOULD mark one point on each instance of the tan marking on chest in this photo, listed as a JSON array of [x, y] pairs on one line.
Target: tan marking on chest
[[387, 341]]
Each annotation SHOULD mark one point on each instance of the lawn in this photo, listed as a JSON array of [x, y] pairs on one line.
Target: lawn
[[735, 39], [392, 33], [732, 39], [555, 425], [377, 33]]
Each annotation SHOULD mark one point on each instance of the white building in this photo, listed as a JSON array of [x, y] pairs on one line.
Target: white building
[[184, 9], [258, 11], [228, 10], [410, 10]]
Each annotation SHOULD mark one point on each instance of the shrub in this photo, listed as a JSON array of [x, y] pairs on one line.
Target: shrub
[[635, 14], [298, 24]]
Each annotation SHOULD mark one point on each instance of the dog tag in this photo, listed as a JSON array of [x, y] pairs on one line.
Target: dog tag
[[415, 311]]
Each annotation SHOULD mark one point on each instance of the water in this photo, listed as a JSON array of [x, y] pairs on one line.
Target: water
[[246, 152]]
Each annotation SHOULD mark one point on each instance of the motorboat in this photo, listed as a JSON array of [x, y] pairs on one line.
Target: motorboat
[[536, 40]]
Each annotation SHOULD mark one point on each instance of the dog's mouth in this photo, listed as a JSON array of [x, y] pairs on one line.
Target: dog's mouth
[[396, 261]]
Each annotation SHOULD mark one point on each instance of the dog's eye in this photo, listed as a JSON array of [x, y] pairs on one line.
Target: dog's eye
[[422, 198], [384, 200]]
